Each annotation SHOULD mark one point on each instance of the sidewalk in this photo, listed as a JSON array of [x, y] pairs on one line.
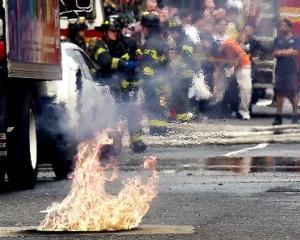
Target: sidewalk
[[229, 132], [264, 109]]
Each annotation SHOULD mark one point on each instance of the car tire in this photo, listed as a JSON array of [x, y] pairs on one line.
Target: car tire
[[55, 151], [61, 168], [55, 146], [22, 148], [62, 161]]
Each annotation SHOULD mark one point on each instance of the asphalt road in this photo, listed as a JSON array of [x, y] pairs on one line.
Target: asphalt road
[[249, 191]]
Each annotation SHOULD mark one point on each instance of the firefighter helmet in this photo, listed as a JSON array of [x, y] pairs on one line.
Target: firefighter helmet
[[150, 20], [112, 23]]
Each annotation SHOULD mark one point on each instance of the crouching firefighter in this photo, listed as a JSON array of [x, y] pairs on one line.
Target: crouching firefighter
[[153, 71], [115, 55], [183, 67]]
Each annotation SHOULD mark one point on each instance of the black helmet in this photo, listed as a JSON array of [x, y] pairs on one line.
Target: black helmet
[[113, 23], [150, 20], [76, 27]]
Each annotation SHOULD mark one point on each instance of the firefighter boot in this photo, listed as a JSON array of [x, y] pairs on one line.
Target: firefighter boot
[[158, 127], [136, 144], [184, 117]]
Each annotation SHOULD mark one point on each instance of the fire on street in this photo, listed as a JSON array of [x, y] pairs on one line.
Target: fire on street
[[219, 191]]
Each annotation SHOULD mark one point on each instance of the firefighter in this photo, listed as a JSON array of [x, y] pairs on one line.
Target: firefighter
[[116, 58], [183, 67], [77, 33], [153, 71]]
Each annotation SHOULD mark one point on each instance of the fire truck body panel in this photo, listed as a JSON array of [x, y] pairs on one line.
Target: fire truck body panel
[[32, 40], [30, 55], [94, 20]]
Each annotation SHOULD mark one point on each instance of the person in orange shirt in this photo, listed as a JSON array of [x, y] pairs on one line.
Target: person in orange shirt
[[237, 58]]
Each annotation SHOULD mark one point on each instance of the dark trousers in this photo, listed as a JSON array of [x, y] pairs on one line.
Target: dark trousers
[[180, 99], [152, 106], [128, 109]]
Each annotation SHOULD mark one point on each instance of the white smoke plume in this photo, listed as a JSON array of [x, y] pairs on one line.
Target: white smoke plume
[[238, 4], [85, 107], [193, 34], [199, 89]]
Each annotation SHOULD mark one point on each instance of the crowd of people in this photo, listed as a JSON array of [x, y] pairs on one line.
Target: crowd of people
[[187, 64]]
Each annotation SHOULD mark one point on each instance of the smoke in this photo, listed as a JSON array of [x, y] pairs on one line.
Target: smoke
[[90, 107], [97, 110], [238, 4], [213, 82], [193, 34], [76, 109], [88, 111], [199, 89]]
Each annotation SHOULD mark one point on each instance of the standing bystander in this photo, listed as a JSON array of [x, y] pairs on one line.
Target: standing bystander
[[286, 48], [240, 63]]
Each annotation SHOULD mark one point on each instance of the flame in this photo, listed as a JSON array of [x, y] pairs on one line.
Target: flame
[[89, 207]]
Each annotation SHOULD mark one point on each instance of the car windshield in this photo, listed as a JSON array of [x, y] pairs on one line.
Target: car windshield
[[74, 8]]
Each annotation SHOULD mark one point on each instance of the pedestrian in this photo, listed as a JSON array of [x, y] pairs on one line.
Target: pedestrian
[[222, 81], [240, 65], [153, 56], [286, 48], [116, 58]]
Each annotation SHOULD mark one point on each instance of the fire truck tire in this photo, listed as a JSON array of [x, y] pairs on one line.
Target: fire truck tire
[[3, 159], [22, 147]]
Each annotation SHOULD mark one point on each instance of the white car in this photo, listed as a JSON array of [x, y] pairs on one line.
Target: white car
[[76, 68], [57, 111]]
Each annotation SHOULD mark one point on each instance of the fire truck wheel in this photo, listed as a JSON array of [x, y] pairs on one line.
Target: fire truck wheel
[[22, 164]]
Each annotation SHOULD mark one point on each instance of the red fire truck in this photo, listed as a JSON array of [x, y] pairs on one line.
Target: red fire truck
[[30, 55], [92, 10], [291, 9]]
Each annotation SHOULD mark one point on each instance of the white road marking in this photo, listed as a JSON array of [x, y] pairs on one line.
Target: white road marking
[[259, 146]]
